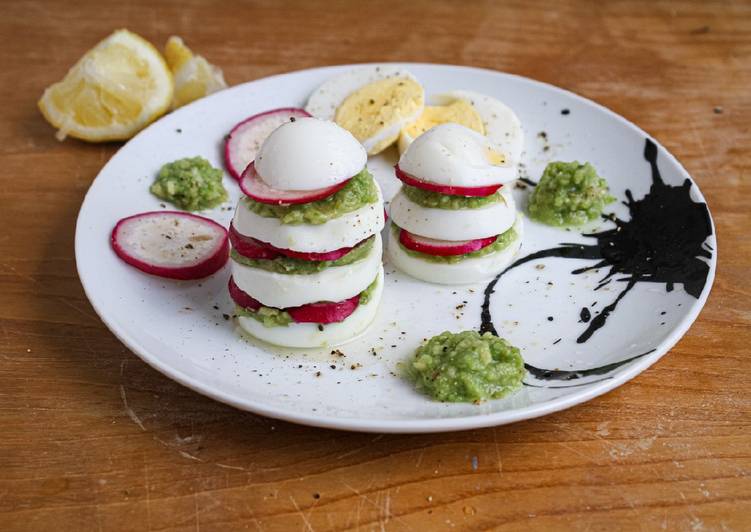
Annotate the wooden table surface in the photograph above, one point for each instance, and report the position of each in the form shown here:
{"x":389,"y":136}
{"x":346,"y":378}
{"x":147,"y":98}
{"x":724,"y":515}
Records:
{"x":93,"y":438}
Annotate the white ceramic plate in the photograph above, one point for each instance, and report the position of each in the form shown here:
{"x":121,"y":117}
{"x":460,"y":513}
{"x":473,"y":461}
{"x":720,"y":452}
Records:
{"x":178,"y":327}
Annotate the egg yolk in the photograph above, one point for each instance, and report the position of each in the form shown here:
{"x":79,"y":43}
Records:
{"x":459,"y":112}
{"x":377,"y":108}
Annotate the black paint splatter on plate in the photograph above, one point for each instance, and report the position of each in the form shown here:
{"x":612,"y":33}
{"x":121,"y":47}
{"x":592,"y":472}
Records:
{"x":662,"y":242}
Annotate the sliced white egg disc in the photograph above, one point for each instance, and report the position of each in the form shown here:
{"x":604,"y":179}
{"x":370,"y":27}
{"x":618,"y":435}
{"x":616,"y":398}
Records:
{"x":336,"y":283}
{"x":344,"y":231}
{"x":463,"y":272}
{"x":308,"y":154}
{"x":449,"y":224}
{"x":455,"y":155}
{"x":311,"y":334}
{"x":502,"y":126}
{"x":374,"y":102}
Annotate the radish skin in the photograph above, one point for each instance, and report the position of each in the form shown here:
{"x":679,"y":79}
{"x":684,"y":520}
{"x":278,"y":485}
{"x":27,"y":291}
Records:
{"x":411,"y":180}
{"x":171,"y":244}
{"x":442,"y":248}
{"x":254,"y":187}
{"x":321,"y":312}
{"x":256,"y":249}
{"x":245,"y":139}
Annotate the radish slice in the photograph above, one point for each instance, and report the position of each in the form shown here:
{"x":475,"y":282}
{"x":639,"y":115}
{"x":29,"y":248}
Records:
{"x":252,"y":185}
{"x":323,"y":312}
{"x":256,"y":249}
{"x":250,"y":247}
{"x":241,"y":298}
{"x":443,"y":248}
{"x":445,"y":189}
{"x":172,"y":244}
{"x":245,"y":139}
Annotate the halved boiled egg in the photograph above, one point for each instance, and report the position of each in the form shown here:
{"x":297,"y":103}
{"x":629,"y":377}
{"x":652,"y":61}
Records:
{"x":373,"y":102}
{"x":497,"y":121}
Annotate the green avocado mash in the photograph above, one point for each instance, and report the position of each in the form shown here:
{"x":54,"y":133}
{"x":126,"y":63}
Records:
{"x":274,"y":317}
{"x":569,"y":194}
{"x":358,"y":192}
{"x":288,"y":265}
{"x":502,"y":241}
{"x":466,"y":366}
{"x":435,"y":200}
{"x":191,"y":183}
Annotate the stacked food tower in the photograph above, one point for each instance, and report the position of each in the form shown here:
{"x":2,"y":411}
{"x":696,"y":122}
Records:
{"x":453,"y":220}
{"x":306,"y":243}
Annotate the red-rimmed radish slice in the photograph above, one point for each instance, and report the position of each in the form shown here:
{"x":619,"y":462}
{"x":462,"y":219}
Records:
{"x":241,"y":298}
{"x":443,"y":248}
{"x":256,"y":249}
{"x":245,"y":139}
{"x":253,"y":186}
{"x":250,"y":247}
{"x":324,"y":312}
{"x":445,"y":189}
{"x":172,"y":244}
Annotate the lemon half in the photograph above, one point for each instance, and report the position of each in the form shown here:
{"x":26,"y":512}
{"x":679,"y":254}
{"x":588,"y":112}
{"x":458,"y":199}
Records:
{"x":194,"y":76}
{"x":112,"y":92}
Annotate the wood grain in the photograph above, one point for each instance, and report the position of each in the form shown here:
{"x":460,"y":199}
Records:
{"x":92,"y":438}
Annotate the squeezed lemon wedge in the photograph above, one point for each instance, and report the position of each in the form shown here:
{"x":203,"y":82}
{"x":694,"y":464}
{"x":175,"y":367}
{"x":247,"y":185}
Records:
{"x":194,"y":76}
{"x":112,"y":92}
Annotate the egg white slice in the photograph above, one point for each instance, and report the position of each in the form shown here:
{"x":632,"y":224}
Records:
{"x":465,"y":272}
{"x":336,"y":283}
{"x":448,"y":224}
{"x":344,"y":231}
{"x":328,"y":97}
{"x":310,"y":335}
{"x":502,"y":126}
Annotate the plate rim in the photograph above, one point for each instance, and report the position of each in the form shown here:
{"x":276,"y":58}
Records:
{"x":386,"y":425}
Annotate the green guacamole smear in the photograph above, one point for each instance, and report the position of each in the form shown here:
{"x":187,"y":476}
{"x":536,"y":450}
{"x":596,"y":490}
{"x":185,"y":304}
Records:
{"x":502,"y":241}
{"x":288,"y":265}
{"x":569,"y":194}
{"x":466,"y":367}
{"x":191,"y":184}
{"x":275,"y":317}
{"x":436,"y":200}
{"x":358,"y":192}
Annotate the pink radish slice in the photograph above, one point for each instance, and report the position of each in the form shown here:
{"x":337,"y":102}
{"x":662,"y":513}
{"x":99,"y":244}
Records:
{"x":250,"y":247}
{"x":445,"y":189}
{"x":172,"y":244}
{"x":256,"y":249}
{"x":443,"y":248}
{"x":323,"y":312}
{"x":241,"y":298}
{"x":245,"y":139}
{"x":252,"y":185}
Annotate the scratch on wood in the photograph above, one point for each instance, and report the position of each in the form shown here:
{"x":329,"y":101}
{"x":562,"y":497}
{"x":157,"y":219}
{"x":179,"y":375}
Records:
{"x":128,"y":410}
{"x":302,"y":515}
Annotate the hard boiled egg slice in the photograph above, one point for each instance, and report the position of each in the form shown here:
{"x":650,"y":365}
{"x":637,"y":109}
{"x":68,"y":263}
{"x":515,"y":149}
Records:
{"x":307,"y":154}
{"x":457,"y":111}
{"x":314,"y":335}
{"x":373,"y":102}
{"x":502,"y":126}
{"x":464,"y":272}
{"x":454,"y":155}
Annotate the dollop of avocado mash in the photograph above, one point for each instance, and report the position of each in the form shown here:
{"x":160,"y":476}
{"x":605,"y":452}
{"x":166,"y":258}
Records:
{"x":358,"y":192}
{"x":436,"y":200}
{"x":569,"y":194}
{"x":274,"y":317}
{"x":191,"y":184}
{"x":466,"y":367}
{"x":289,"y":265}
{"x":502,"y":241}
